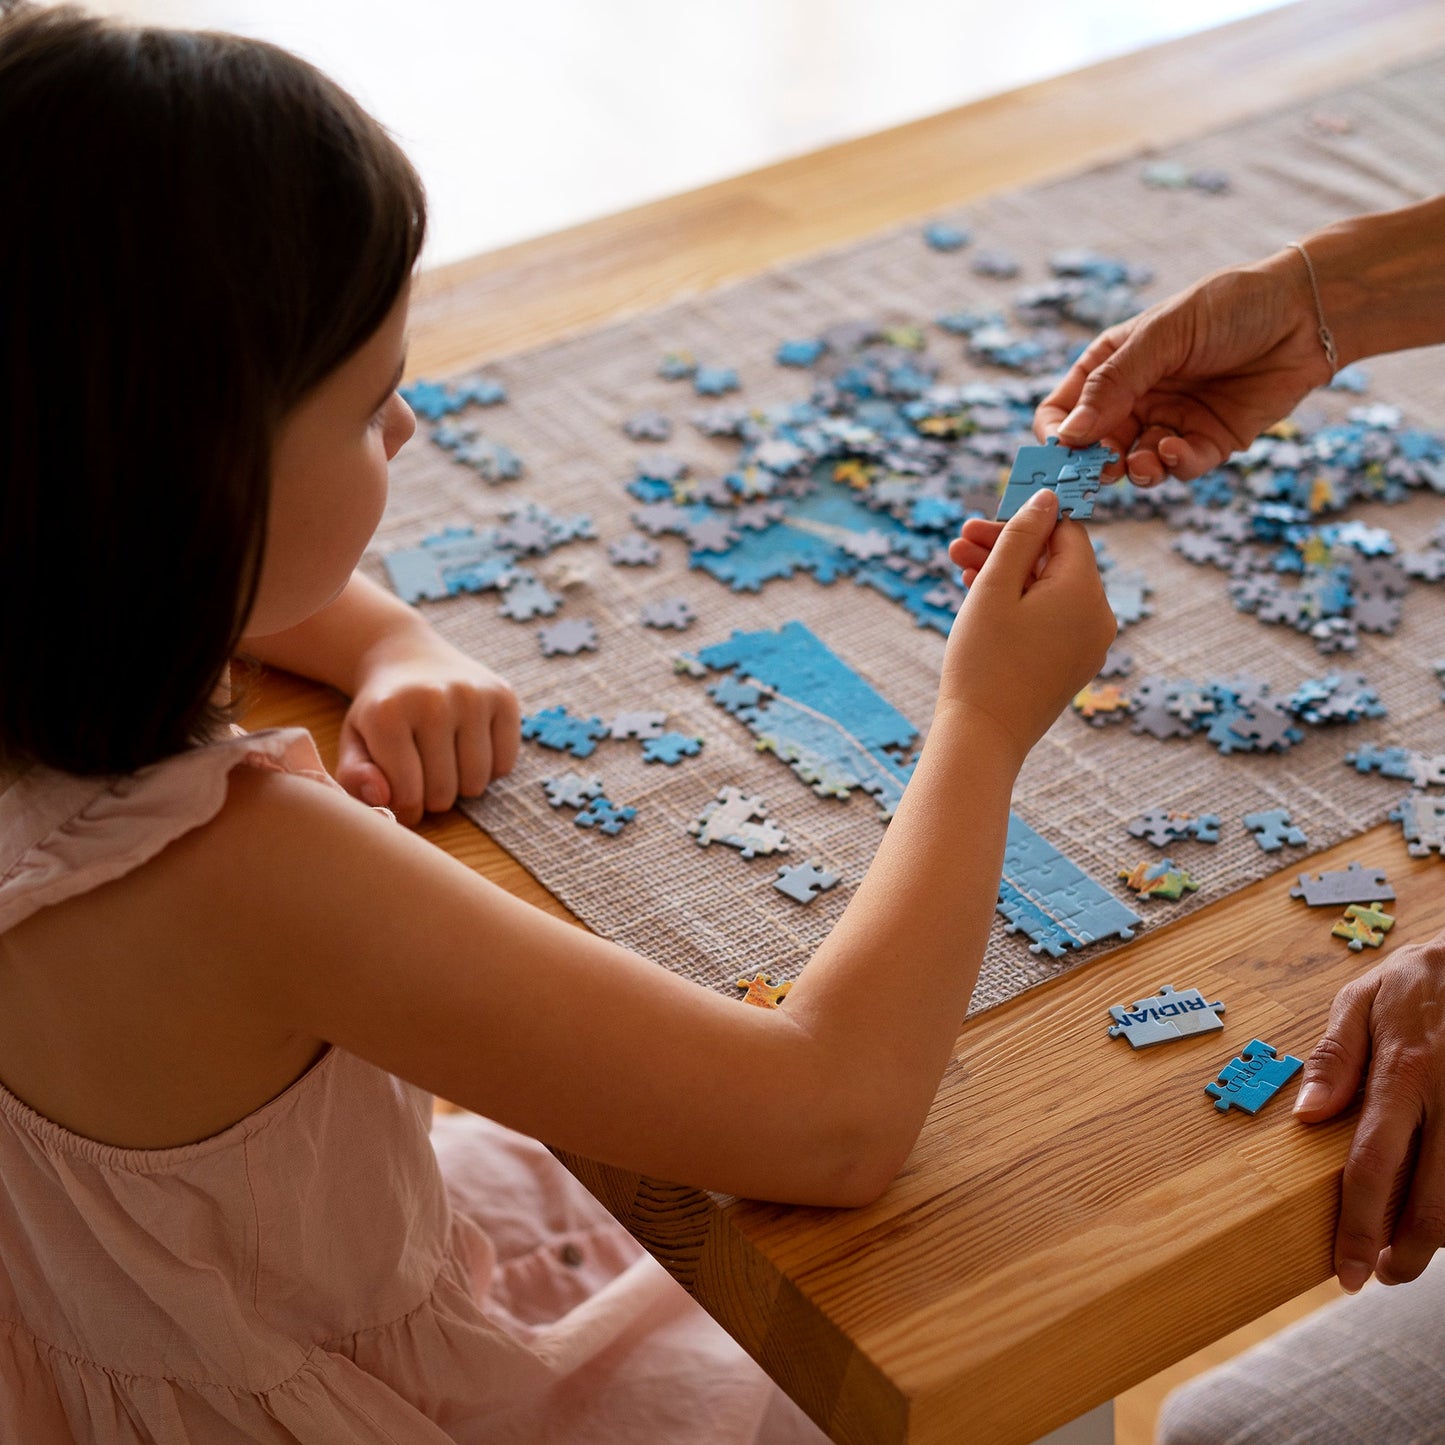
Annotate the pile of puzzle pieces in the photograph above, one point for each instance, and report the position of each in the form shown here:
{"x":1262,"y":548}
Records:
{"x":1235,"y":714}
{"x":1259,"y":519}
{"x":871,"y":473}
{"x":1421,"y":816}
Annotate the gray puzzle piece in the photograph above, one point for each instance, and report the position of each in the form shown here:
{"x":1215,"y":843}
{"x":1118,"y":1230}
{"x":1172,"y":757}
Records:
{"x":804,"y":881}
{"x":1169,"y":1014}
{"x":1355,"y":884}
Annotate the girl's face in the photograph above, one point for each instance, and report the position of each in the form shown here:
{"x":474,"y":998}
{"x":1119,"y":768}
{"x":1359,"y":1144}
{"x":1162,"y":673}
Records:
{"x":328,"y":479}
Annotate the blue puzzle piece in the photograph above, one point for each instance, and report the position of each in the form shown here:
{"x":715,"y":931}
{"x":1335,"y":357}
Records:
{"x":774,"y":553}
{"x":739,"y":698}
{"x":479,"y":391}
{"x":670,"y":748}
{"x":1074,"y":476}
{"x":430,"y":399}
{"x":792,"y":660}
{"x":715,"y":380}
{"x":1168,"y":1015}
{"x":1250,"y":1081}
{"x":1389,"y":762}
{"x":803,"y":882}
{"x":913,"y":595}
{"x":433,"y":400}
{"x":1272,"y":829}
{"x":817,"y":714}
{"x":604,"y":815}
{"x":798,"y":353}
{"x":554,"y":727}
{"x":1024,"y":916}
{"x":940,"y":236}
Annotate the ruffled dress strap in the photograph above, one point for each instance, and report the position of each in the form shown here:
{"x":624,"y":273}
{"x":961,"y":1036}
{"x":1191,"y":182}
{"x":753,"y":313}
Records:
{"x":62,"y":835}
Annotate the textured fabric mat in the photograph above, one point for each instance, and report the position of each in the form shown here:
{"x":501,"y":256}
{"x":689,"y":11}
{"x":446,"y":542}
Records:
{"x":708,"y":913}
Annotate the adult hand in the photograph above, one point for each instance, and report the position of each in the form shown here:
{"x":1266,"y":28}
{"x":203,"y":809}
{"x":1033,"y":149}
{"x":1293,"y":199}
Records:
{"x":1179,"y":387}
{"x":1387,"y":1028}
{"x":426,"y":725}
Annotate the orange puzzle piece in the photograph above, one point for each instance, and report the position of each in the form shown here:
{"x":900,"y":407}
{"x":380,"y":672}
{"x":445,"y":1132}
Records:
{"x":762,"y":991}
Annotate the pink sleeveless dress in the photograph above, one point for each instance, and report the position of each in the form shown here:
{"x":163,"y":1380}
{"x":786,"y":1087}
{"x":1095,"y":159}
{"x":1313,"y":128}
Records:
{"x":323,"y":1271}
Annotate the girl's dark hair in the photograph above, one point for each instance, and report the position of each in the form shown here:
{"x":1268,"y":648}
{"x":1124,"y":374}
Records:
{"x":197,"y":230}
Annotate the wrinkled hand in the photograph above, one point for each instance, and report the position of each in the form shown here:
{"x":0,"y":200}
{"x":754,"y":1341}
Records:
{"x":1178,"y":388}
{"x":1035,"y":625}
{"x":426,"y":725}
{"x":1387,"y":1027}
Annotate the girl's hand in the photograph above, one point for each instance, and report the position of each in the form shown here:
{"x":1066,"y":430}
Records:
{"x":1179,"y":387}
{"x":1035,"y":625}
{"x":426,"y":725}
{"x":1387,"y":1028}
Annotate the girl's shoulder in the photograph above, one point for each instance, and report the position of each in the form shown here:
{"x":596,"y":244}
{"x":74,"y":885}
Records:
{"x":133,"y":940}
{"x":63,"y":835}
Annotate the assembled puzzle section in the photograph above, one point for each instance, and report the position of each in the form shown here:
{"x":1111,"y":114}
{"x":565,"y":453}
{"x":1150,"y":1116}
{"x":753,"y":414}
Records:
{"x":1051,"y":899}
{"x":804,"y":704}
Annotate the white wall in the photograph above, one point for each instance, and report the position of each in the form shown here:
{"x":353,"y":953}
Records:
{"x":527,"y":117}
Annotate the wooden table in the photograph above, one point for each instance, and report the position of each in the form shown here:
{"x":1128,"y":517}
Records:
{"x":1074,"y":1218}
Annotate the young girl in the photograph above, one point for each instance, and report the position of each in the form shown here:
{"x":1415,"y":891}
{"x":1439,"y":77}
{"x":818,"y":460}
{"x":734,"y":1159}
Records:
{"x":227,"y":987}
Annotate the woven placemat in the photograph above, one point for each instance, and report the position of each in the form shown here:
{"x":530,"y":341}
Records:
{"x":710,"y":914}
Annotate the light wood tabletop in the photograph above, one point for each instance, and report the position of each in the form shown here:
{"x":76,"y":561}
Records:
{"x":1074,"y":1217}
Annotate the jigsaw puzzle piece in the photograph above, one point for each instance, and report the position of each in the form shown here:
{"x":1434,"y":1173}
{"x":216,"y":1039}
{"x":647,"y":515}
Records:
{"x":570,"y":636}
{"x":1163,"y":879}
{"x":762,"y":992}
{"x":554,"y":727}
{"x":1075,"y":476}
{"x":638,"y":725}
{"x":572,"y":790}
{"x":1363,"y":926}
{"x":740,"y":820}
{"x":670,"y":748}
{"x":1024,"y":916}
{"x":1169,"y":1014}
{"x":804,"y":881}
{"x":604,"y":815}
{"x":1252,"y":1080}
{"x":1354,"y":884}
{"x":1272,"y":829}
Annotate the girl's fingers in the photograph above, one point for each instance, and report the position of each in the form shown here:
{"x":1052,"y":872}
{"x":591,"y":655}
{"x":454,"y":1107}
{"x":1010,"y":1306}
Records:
{"x":1012,"y":560}
{"x":357,"y":772}
{"x":474,"y":750}
{"x":393,"y":750}
{"x":436,"y":742}
{"x":506,"y":732}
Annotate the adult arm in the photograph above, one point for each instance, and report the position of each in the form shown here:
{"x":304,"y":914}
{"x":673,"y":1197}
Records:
{"x":1179,"y":387}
